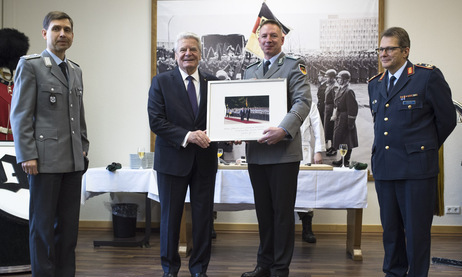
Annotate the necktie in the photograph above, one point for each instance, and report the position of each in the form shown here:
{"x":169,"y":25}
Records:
{"x":392,"y":83}
{"x":192,"y":94}
{"x":266,"y":66}
{"x":63,"y":67}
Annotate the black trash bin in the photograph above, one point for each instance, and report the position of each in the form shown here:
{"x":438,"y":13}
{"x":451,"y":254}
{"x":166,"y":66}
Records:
{"x":124,"y":219}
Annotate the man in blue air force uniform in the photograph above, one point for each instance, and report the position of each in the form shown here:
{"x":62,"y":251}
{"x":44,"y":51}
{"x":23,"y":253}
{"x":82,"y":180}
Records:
{"x":413,"y":115}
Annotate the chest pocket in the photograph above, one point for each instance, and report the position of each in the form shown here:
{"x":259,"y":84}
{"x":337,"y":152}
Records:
{"x":51,"y":96}
{"x":410,"y":108}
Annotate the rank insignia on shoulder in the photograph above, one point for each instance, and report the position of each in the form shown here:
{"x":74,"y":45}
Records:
{"x":372,"y":78}
{"x":252,"y":64}
{"x":426,"y":65}
{"x":31,"y":56}
{"x":302,"y":68}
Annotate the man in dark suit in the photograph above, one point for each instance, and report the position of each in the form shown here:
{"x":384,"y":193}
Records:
{"x":413,"y":115}
{"x":51,"y":143}
{"x":184,"y":155}
{"x":274,"y":160}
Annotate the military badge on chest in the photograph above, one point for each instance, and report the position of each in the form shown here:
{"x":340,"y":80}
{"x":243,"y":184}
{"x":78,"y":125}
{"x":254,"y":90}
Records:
{"x":52,"y":98}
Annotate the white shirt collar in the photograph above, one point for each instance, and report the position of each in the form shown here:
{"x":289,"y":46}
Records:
{"x":398,"y":72}
{"x":184,"y":75}
{"x":55,"y":58}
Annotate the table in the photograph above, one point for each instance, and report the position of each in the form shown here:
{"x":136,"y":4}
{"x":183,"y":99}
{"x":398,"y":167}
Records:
{"x":99,"y":180}
{"x":317,"y":188}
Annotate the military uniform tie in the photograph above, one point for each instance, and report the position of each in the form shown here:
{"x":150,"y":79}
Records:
{"x":63,"y":67}
{"x":392,"y":84}
{"x":192,"y":94}
{"x":266,"y":66}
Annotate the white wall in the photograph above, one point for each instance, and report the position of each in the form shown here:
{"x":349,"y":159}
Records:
{"x":112,"y":45}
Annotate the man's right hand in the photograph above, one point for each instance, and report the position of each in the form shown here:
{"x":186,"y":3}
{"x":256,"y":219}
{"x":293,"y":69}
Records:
{"x":30,"y":167}
{"x":200,"y":138}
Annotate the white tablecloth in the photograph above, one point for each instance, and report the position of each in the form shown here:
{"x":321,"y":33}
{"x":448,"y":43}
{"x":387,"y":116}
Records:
{"x":330,"y":189}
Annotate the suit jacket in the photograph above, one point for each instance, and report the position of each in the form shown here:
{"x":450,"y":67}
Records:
{"x":48,"y":116}
{"x":299,"y":104}
{"x":171,"y":117}
{"x":411,"y":123}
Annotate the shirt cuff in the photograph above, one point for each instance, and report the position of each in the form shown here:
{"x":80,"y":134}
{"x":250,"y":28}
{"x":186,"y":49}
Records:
{"x":185,"y":141}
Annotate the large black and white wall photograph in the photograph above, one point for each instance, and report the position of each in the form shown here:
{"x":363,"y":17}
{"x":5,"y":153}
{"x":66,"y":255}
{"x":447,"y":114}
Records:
{"x":332,"y":37}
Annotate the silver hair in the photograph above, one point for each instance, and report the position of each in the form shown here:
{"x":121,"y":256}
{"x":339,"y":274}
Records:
{"x":186,"y":35}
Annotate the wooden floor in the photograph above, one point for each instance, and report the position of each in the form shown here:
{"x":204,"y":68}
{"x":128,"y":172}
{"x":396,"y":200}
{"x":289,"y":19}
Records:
{"x":234,"y":253}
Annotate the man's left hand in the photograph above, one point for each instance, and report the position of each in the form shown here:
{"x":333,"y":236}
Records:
{"x":272,"y":135}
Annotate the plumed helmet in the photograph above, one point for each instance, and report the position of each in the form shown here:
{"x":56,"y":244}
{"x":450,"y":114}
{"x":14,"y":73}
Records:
{"x":344,"y":75}
{"x":331,"y":73}
{"x":13,"y":45}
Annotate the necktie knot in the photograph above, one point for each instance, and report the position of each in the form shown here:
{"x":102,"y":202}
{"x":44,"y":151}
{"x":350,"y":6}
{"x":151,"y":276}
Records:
{"x":266,"y":66}
{"x":63,"y":67}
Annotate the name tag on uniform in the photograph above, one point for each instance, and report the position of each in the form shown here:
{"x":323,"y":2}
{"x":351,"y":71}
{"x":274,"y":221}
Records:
{"x":409,"y":102}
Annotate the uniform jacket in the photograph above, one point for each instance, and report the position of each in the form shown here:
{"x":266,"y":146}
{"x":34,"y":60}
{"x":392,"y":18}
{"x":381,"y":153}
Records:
{"x":48,"y":116}
{"x":5,"y":107}
{"x":299,"y":104}
{"x":171,"y":117}
{"x":411,"y":123}
{"x":346,"y":110}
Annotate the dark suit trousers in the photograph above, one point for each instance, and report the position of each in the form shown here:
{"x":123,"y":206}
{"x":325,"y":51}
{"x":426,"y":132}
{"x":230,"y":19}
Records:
{"x":406,"y":212}
{"x":54,"y":222}
{"x":172,"y":193}
{"x":275,"y":190}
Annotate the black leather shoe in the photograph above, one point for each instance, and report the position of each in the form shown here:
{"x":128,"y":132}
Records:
{"x":331,"y":152}
{"x":170,"y":275}
{"x":199,"y":275}
{"x":257,"y":272}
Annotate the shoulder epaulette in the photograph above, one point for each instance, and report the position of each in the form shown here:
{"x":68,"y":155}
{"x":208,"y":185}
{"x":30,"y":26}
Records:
{"x":31,"y":56}
{"x":375,"y":76}
{"x":292,"y":58}
{"x":252,"y":64}
{"x":74,"y":63}
{"x":425,"y":65}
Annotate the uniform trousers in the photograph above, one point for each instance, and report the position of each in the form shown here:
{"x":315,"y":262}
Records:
{"x":172,"y":193}
{"x":275,"y":190}
{"x":54,"y":210}
{"x":406,"y":212}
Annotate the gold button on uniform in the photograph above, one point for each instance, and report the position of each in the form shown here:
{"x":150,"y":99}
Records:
{"x":409,"y":107}
{"x":386,"y":119}
{"x":387,"y":147}
{"x":422,"y":147}
{"x":387,"y":105}
{"x":385,"y":133}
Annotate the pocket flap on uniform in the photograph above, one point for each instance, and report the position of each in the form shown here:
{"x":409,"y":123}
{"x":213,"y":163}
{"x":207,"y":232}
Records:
{"x":420,"y":146}
{"x":50,"y":88}
{"x":44,"y":134}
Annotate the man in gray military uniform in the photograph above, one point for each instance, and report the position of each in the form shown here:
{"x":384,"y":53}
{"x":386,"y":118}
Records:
{"x":274,"y":160}
{"x":51,"y":144}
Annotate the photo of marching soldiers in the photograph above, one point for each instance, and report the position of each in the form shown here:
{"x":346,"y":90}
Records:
{"x":338,"y":72}
{"x":247,"y":110}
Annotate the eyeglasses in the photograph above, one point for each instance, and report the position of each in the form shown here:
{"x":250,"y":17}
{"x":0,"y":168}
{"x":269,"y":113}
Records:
{"x":389,"y":50}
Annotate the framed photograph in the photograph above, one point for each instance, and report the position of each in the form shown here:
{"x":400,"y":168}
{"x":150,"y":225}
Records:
{"x":241,"y":110}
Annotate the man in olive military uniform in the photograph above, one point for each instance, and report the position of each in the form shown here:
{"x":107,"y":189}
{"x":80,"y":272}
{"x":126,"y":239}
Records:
{"x":413,"y":115}
{"x":274,"y":160}
{"x":51,"y":143}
